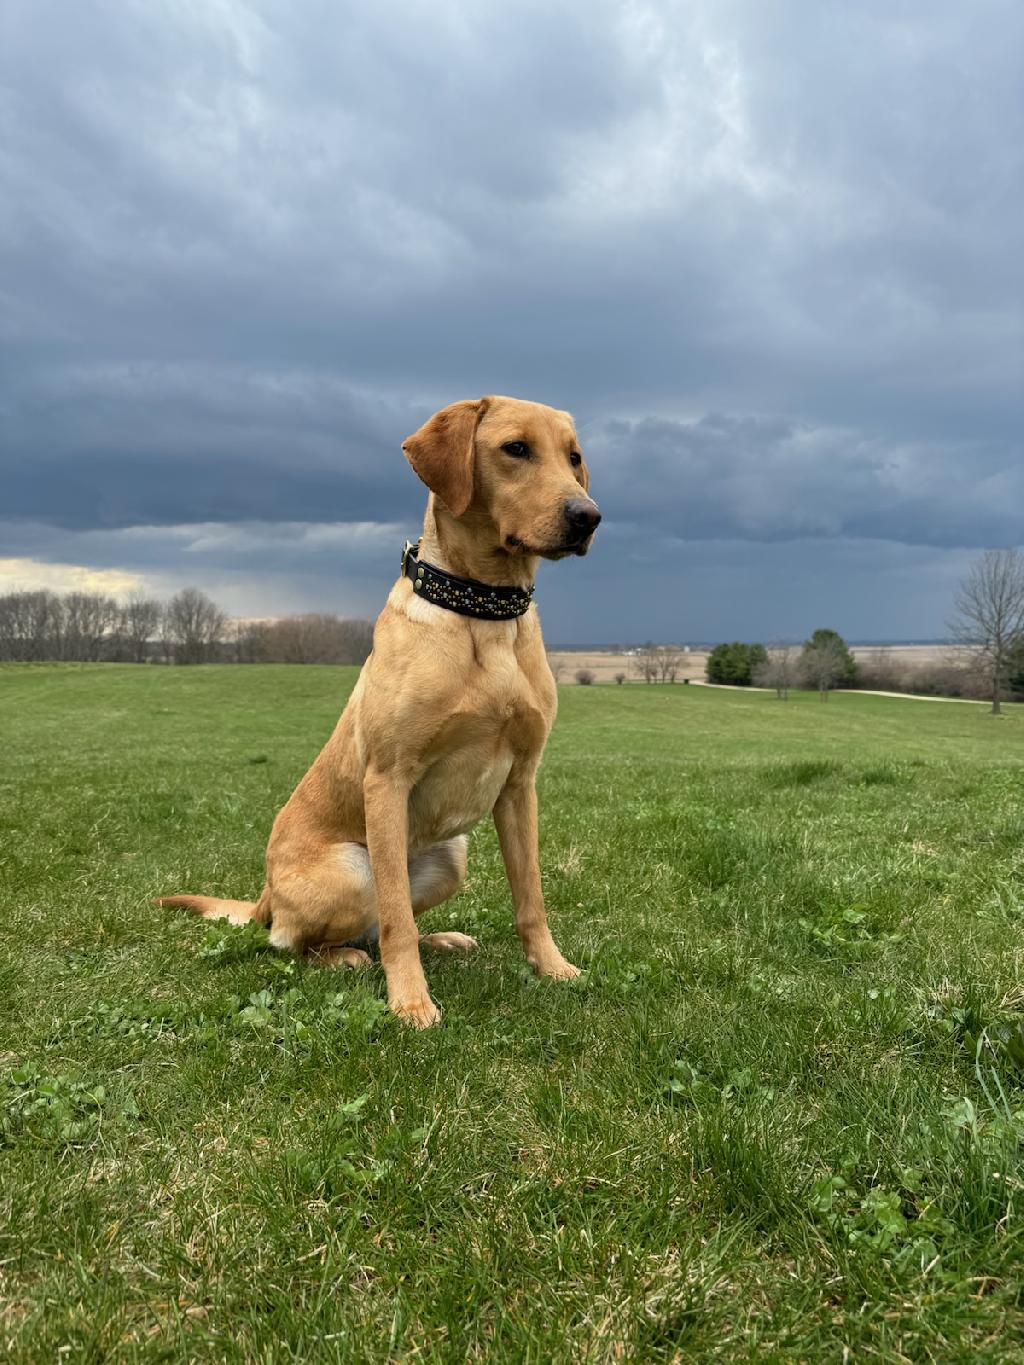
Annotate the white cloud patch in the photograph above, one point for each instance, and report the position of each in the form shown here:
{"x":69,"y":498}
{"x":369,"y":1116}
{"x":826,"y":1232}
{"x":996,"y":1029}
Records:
{"x":31,"y":575}
{"x":252,"y":569}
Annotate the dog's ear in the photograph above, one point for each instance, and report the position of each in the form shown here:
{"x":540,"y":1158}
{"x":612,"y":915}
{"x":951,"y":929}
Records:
{"x":442,"y":452}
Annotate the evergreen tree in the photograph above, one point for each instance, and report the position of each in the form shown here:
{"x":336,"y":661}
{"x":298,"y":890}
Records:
{"x":734,"y":664}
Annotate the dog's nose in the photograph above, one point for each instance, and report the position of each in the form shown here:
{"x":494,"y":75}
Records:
{"x":582,"y":516}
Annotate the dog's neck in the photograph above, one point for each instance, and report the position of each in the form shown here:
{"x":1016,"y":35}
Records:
{"x":459,"y":545}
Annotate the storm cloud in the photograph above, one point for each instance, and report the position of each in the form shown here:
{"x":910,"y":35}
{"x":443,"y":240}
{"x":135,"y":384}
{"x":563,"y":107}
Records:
{"x":768,"y":255}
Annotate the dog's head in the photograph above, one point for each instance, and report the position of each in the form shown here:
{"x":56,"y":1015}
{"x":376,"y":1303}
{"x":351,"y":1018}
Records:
{"x":513,"y":464}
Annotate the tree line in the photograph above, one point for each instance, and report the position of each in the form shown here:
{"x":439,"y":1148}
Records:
{"x":188,"y":628}
{"x":987,"y":631}
{"x":823,"y":663}
{"x":986,"y":661}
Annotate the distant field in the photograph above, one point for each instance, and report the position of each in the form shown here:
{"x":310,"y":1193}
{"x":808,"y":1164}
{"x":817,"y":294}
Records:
{"x":780,"y":1117}
{"x":604,"y":664}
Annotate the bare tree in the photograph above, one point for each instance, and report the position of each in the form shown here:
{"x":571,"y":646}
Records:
{"x":646,"y":662}
{"x":989,"y":616}
{"x":669,"y":658}
{"x":31,"y":626}
{"x":8,"y":627}
{"x":90,"y":619}
{"x":248,"y":641}
{"x":557,"y":665}
{"x":301,"y":639}
{"x":355,"y":641}
{"x":309,"y":639}
{"x":42,"y":625}
{"x":823,"y":665}
{"x":140,"y":622}
{"x":779,"y":670}
{"x":193,"y":625}
{"x":189,"y":629}
{"x":165,"y":647}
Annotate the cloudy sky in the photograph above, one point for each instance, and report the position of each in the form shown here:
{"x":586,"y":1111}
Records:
{"x":768,"y":253}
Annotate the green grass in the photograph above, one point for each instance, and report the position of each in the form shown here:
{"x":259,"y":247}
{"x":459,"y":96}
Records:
{"x":780,"y":1116}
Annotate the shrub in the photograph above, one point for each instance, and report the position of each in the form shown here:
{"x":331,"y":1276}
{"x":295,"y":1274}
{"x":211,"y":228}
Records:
{"x":882,"y":672}
{"x":584,"y":677}
{"x":934,"y":678}
{"x":735,"y":663}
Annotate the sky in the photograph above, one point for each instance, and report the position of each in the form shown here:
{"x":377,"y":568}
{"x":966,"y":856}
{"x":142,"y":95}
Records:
{"x":767,"y":252}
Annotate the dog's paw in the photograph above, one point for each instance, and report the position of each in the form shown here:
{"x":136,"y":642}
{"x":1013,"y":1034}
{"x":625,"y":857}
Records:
{"x":562,"y":971}
{"x":420,"y":1012}
{"x":333,"y":956}
{"x":449,"y":942}
{"x":555,"y":966}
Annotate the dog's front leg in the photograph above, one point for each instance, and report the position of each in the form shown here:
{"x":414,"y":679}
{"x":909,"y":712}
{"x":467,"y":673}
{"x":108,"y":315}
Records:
{"x":387,"y":841}
{"x":515,"y":816}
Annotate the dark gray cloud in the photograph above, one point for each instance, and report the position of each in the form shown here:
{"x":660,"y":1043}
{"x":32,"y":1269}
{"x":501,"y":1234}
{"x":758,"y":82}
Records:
{"x":769,"y":255}
{"x":772,"y":478}
{"x":157,"y":444}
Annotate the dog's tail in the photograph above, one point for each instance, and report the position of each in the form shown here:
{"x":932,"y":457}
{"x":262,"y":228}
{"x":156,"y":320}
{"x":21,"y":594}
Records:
{"x":211,"y":907}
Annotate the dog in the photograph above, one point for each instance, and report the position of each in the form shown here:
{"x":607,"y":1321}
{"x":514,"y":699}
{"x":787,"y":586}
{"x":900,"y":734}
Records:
{"x":448,"y":719}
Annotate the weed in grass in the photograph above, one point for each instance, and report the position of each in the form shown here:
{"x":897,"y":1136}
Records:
{"x":236,"y":944}
{"x":989,"y":1035}
{"x":618,"y":977}
{"x":882,"y":1222}
{"x":53,"y":1111}
{"x":134,"y":1023}
{"x":688,"y":1083}
{"x":346,"y":1159}
{"x":848,"y":929}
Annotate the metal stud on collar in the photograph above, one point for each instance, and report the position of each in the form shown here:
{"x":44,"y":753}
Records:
{"x":466,"y":596}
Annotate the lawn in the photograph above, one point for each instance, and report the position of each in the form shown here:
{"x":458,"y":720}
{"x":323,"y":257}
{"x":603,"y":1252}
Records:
{"x":780,"y":1116}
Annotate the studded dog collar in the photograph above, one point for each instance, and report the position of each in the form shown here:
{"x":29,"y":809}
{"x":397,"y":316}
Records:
{"x":467,"y":596}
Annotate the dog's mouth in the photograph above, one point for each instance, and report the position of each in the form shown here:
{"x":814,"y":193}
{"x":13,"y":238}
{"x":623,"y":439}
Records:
{"x":576,"y":546}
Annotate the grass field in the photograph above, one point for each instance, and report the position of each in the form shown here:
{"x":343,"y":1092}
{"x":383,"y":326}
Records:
{"x":779,"y":1117}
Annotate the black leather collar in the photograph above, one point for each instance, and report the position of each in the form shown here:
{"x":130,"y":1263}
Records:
{"x":467,"y":596}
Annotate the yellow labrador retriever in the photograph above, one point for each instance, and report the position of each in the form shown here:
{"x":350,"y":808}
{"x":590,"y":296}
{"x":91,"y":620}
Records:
{"x":448,"y":719}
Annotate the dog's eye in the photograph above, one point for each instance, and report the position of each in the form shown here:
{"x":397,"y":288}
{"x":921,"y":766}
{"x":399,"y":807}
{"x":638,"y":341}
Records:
{"x":519,"y":450}
{"x":575,"y":458}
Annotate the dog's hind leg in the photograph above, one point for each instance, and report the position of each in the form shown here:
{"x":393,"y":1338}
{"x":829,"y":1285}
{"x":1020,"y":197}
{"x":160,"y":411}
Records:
{"x":437,"y":872}
{"x":327,"y":907}
{"x":434,"y":875}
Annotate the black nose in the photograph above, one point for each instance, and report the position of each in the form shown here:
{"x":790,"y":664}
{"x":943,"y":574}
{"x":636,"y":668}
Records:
{"x":582,"y":516}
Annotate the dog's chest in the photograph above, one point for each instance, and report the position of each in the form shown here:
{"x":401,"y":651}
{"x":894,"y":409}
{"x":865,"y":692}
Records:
{"x":456,"y":793}
{"x":501,"y":718}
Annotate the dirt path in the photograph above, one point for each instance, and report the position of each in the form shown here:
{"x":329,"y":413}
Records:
{"x":857,"y":691}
